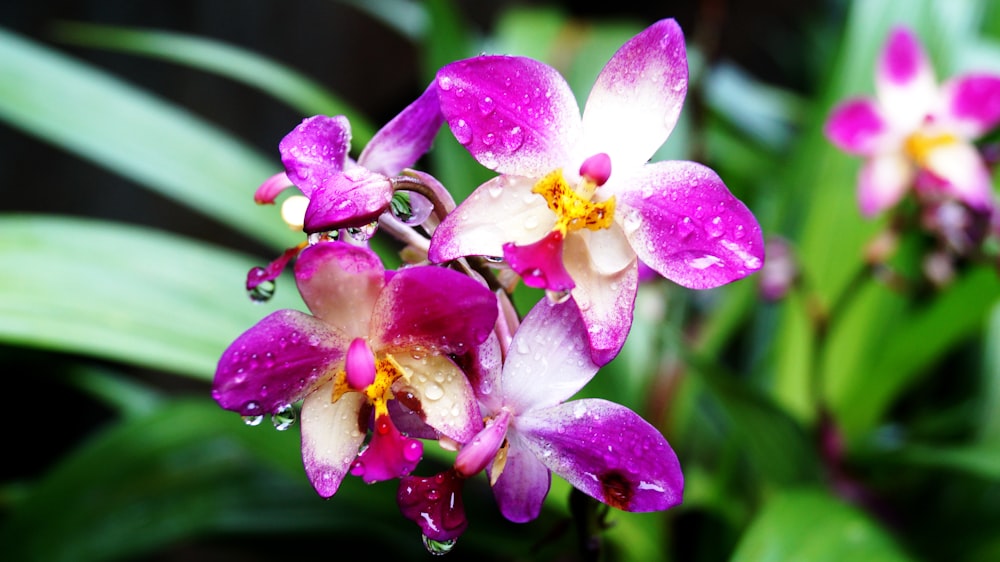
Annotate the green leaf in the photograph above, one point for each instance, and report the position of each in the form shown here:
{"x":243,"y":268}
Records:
{"x":809,"y":524}
{"x":981,"y":458}
{"x":125,"y":293}
{"x":252,"y":69}
{"x":139,"y":136}
{"x":190,"y":469}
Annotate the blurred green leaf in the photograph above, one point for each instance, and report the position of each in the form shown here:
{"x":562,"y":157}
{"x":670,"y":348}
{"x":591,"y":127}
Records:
{"x":274,"y":78}
{"x":980,"y":459}
{"x":130,"y":132}
{"x":990,"y":397}
{"x":902,"y":345}
{"x":808,"y":524}
{"x":188,"y":470}
{"x":125,"y":293}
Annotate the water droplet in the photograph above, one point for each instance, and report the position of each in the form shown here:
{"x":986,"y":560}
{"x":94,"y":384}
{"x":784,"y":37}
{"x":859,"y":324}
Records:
{"x":489,"y":139}
{"x":514,"y":138}
{"x":444,"y":83}
{"x":462,"y":131}
{"x":557,"y":297}
{"x":263,"y":290}
{"x":252,"y":420}
{"x":283,"y":418}
{"x":685,"y":227}
{"x":740,"y":232}
{"x":433,"y":391}
{"x":714,"y":227}
{"x":439,"y":548}
{"x":486,"y":105}
{"x":460,"y":93}
{"x":363,"y":233}
{"x":680,"y":84}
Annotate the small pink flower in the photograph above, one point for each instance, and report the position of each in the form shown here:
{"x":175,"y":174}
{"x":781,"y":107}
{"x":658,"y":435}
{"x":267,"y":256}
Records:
{"x":915,"y":133}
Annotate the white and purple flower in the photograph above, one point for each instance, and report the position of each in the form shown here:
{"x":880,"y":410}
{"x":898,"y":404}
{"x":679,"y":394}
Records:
{"x":576,"y":205}
{"x":375,"y":340}
{"x":916,"y":134}
{"x":603,"y":449}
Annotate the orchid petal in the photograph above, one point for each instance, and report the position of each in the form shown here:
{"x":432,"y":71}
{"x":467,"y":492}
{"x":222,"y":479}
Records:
{"x":340,"y":283}
{"x":514,"y":115}
{"x":972,"y":104}
{"x":964,"y":173}
{"x":353,"y":198}
{"x":503,"y":209}
{"x":447,"y":401}
{"x":904,"y":80}
{"x":389,"y":453}
{"x":523,"y":484}
{"x":606,"y":451}
{"x":315,"y":150}
{"x":855,"y":126}
{"x":330,"y":437}
{"x":276,"y":362}
{"x":271,"y":188}
{"x":609,"y":250}
{"x":549,"y":357}
{"x":540,"y":264}
{"x":637,"y":97}
{"x":684,"y":223}
{"x":435,"y":504}
{"x":407,"y":137}
{"x":606,"y":302}
{"x":882,"y":182}
{"x":435,"y":308}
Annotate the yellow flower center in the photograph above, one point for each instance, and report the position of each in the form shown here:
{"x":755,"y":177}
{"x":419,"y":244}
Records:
{"x":919,"y":145}
{"x":379,"y":392}
{"x":574,"y":209}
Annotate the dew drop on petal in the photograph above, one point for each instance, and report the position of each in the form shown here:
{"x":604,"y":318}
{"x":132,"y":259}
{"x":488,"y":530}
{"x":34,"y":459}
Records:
{"x":685,"y":227}
{"x":557,"y":297}
{"x":363,"y":233}
{"x":283,"y":418}
{"x":433,"y":391}
{"x":714,"y":227}
{"x":514,"y":138}
{"x":462,"y":131}
{"x":439,"y":548}
{"x":486,"y":105}
{"x":489,"y":139}
{"x":444,"y":83}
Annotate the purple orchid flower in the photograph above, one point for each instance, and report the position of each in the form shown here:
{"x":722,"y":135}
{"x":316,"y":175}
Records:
{"x":374,"y":338}
{"x":603,"y":449}
{"x":343,"y":193}
{"x":576,"y":205}
{"x":340,"y":192}
{"x":916,"y":133}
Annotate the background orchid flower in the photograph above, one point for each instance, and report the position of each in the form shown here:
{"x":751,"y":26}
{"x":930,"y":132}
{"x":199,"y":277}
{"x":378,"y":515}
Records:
{"x":914,"y":131}
{"x":603,"y":449}
{"x":373,"y":335}
{"x":576,"y":204}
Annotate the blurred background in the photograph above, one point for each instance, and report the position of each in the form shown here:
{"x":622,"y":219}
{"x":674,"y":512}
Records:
{"x":846,"y":418}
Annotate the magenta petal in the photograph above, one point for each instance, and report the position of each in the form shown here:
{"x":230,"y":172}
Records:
{"x":435,"y":504}
{"x":903,"y":58}
{"x":514,"y":115}
{"x":521,"y":488}
{"x":690,"y":228}
{"x":540,"y":265}
{"x":855,"y":126}
{"x":402,"y":141}
{"x":271,"y":188}
{"x":315,"y":150}
{"x":436,"y":308}
{"x":340,"y":283}
{"x":975,"y":102}
{"x":353,"y":198}
{"x":275,"y":363}
{"x":389,"y":454}
{"x":606,"y":451}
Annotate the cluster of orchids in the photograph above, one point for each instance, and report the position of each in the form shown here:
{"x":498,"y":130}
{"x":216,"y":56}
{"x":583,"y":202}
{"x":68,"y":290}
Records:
{"x":386,"y":361}
{"x":929,"y":141}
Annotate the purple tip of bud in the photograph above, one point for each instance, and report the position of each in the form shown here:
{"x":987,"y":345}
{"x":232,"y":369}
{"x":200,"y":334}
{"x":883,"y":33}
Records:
{"x":597,"y":168}
{"x":478,"y":453}
{"x":272,"y":186}
{"x":259,"y":275}
{"x":435,"y":504}
{"x":360,"y":365}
